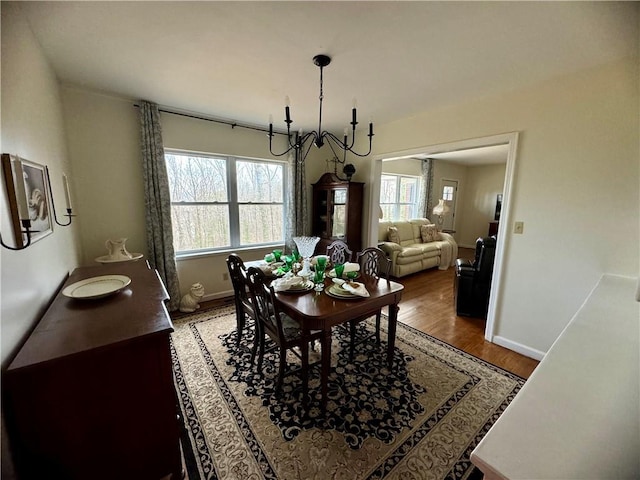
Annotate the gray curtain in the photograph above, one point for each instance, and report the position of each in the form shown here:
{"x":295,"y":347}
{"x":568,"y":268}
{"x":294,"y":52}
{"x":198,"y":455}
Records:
{"x":425,"y":204}
{"x":298,"y":213}
{"x":157,"y":202}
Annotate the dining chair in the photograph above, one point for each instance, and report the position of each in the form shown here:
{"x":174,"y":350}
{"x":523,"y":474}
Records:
{"x":286,"y":332}
{"x":339,"y":252}
{"x":373,"y":263}
{"x":244,"y":306}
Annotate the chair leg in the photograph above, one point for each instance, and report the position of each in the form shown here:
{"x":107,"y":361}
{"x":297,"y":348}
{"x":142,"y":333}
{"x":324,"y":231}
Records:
{"x":378,"y":315}
{"x":261,"y":353}
{"x":304,"y":351}
{"x":240,"y":318}
{"x":283,"y":363}
{"x":352,"y":343}
{"x":258,"y":340}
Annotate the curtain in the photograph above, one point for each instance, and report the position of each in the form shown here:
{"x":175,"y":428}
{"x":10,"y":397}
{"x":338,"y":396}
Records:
{"x":425,"y":204}
{"x":157,"y":202}
{"x":298,"y":213}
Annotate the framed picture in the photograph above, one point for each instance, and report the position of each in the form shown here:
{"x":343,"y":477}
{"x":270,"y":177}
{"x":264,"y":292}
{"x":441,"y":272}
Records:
{"x":31,"y":197}
{"x":496,"y":217}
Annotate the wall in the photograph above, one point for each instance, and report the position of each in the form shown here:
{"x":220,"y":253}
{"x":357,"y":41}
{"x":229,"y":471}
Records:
{"x":575,"y":188}
{"x":33,"y":128}
{"x":104,"y":143}
{"x":477,"y":209}
{"x":578,"y":143}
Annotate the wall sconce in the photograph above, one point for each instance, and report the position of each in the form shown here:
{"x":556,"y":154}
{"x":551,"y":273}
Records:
{"x":27,"y":185}
{"x":67,"y":197}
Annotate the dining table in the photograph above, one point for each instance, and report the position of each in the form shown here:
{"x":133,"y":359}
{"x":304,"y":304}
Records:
{"x":318,"y":310}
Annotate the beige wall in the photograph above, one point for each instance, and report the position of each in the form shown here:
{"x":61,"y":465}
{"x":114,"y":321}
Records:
{"x":33,"y":128}
{"x":477,"y":208}
{"x":579,"y":142}
{"x":575,"y":188}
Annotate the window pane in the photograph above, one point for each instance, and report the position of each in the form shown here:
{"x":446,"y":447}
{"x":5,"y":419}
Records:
{"x":387,"y":212}
{"x":447,"y":193}
{"x":197,"y":227}
{"x":196,"y":179}
{"x":339,"y":216}
{"x":388,"y":189}
{"x":406,"y":212}
{"x":259,"y":182}
{"x":261,"y":224}
{"x":408,"y":187}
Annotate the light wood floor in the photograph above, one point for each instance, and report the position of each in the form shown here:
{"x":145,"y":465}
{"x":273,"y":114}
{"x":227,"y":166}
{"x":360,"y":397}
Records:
{"x":427,"y":305}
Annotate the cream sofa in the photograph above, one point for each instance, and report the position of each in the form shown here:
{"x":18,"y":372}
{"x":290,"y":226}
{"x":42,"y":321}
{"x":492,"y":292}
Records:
{"x":411,"y":254}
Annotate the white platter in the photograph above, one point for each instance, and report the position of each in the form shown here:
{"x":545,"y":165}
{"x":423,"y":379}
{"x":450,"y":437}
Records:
{"x":96,"y":287}
{"x":107,"y":259}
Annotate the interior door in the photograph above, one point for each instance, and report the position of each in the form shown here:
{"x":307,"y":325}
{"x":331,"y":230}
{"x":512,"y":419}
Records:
{"x":449,"y":193}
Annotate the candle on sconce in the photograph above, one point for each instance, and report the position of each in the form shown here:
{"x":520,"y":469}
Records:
{"x":21,"y":194}
{"x":67,"y":196}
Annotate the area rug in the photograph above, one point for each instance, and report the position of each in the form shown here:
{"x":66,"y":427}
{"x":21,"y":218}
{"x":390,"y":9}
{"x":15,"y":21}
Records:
{"x":419,"y":420}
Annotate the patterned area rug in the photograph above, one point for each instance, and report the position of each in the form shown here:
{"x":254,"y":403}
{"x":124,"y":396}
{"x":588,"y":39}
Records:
{"x":421,"y":420}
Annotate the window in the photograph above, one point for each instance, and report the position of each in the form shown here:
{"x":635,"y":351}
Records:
{"x":447,"y":193}
{"x":399,"y":196}
{"x":221,"y":202}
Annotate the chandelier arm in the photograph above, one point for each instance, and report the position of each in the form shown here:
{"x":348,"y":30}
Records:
{"x":291,"y":147}
{"x":335,"y":155}
{"x":346,"y":148}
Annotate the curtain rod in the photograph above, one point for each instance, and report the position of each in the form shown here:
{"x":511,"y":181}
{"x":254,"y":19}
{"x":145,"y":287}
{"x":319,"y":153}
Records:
{"x":208,"y":119}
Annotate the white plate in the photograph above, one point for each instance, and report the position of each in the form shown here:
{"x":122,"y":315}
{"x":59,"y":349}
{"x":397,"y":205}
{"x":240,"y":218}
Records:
{"x":96,"y":287}
{"x":107,"y":259}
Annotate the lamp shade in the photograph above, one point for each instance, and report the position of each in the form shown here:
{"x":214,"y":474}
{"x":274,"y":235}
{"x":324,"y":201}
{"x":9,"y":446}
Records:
{"x":441,"y":209}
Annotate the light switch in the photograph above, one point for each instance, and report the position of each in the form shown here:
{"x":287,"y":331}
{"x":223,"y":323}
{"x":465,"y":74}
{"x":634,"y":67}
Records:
{"x":518,"y":227}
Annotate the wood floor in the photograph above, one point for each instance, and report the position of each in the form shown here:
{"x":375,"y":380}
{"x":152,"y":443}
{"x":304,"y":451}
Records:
{"x":427,"y":305}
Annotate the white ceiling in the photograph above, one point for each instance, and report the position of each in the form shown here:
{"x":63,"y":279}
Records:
{"x":238,"y":60}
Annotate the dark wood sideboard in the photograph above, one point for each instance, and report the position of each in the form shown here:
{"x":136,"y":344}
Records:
{"x":90,"y":394}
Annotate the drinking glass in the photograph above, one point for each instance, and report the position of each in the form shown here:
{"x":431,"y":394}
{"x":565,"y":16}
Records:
{"x":277,"y":254}
{"x":321,"y":263}
{"x":318,"y":279}
{"x":339,"y":268}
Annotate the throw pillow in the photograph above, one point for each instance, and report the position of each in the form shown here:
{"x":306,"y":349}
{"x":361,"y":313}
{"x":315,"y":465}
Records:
{"x":429,"y":233}
{"x":393,"y":235}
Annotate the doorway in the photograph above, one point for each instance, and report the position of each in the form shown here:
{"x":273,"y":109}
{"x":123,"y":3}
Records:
{"x":508,"y":139}
{"x":449,"y":193}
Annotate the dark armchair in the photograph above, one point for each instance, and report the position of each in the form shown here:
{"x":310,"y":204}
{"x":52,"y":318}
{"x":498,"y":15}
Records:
{"x":473,"y":280}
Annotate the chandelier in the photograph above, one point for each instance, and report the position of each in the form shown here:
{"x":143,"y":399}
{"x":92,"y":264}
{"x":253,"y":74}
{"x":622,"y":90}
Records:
{"x":302,"y":142}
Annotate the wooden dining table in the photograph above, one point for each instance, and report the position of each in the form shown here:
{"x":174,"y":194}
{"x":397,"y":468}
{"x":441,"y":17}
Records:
{"x":319,"y":311}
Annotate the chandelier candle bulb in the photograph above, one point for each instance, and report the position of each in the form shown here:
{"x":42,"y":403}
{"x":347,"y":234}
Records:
{"x":67,"y":196}
{"x":21,"y":194}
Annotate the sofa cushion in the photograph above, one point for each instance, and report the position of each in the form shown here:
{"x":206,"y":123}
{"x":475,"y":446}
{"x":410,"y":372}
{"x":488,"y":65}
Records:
{"x":393,"y":235}
{"x":429,"y":233}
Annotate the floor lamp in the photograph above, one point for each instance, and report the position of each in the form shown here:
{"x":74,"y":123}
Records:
{"x":440,"y":211}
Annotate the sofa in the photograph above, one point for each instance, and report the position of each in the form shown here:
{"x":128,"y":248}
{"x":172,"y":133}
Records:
{"x":416,"y":245}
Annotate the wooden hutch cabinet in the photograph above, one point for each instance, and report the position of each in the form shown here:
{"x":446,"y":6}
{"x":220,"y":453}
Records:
{"x":337,"y":212}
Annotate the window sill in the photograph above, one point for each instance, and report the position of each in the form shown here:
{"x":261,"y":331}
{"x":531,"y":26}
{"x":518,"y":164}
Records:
{"x":216,"y":253}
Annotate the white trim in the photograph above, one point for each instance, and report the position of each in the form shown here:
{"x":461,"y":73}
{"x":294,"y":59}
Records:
{"x":519,"y":348}
{"x":505,"y":215}
{"x":216,"y":296}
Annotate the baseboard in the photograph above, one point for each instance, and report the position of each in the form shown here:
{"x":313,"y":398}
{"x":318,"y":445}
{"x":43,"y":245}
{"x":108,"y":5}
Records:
{"x":218,"y":295}
{"x":519,"y":348}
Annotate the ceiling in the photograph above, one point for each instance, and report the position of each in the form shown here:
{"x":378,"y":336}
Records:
{"x":238,"y":60}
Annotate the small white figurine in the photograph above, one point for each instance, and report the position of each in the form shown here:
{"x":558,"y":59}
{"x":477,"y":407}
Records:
{"x":189,"y":302}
